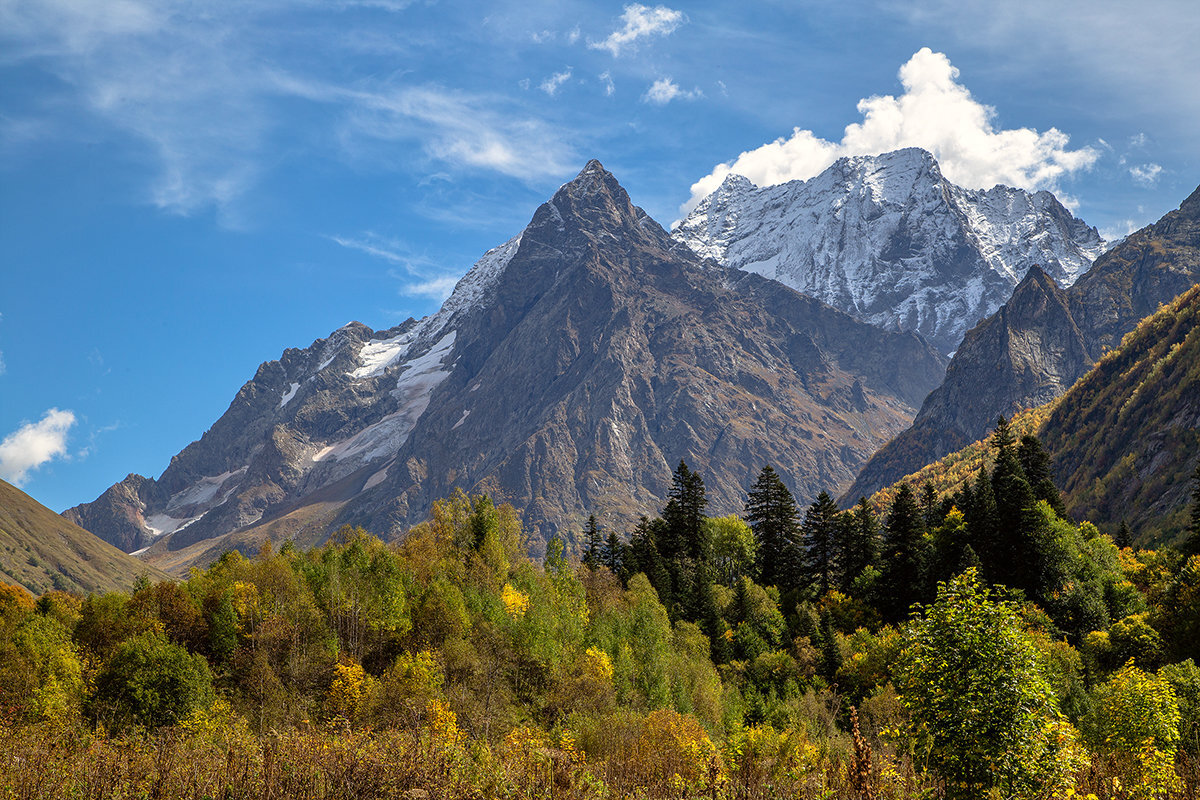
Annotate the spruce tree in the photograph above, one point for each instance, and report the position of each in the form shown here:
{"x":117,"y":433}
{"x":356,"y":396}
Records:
{"x":859,"y":543}
{"x":1014,"y":550}
{"x":1035,"y":463}
{"x":904,"y":557}
{"x":820,"y":533}
{"x":593,"y":542}
{"x":930,"y":506}
{"x":684,"y":533}
{"x":613,"y":553}
{"x":1191,"y":545}
{"x":1124,"y":537}
{"x":772,"y":515}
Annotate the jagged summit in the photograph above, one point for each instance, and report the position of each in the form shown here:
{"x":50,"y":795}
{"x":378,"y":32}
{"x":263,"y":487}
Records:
{"x":569,"y":372}
{"x":1043,"y":339}
{"x":889,"y":240}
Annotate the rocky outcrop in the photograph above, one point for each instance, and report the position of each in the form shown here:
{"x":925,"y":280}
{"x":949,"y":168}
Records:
{"x":1043,"y":340}
{"x":889,"y":240}
{"x":569,"y":372}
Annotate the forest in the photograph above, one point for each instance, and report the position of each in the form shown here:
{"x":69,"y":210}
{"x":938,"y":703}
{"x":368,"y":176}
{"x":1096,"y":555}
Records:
{"x":965,"y":645}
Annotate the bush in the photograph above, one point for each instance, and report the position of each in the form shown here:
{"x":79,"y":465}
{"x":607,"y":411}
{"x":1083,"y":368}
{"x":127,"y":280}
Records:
{"x":151,"y":682}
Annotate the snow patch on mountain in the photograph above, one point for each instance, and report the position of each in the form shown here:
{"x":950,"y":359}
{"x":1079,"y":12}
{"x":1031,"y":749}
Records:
{"x":888,"y":239}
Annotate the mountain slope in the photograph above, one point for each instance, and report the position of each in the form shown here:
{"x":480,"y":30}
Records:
{"x":1042,"y":341}
{"x":42,"y":551}
{"x":889,"y":240}
{"x":1124,"y":441}
{"x":569,"y":372}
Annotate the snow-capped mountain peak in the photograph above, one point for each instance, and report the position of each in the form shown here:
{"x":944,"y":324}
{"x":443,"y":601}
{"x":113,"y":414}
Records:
{"x":888,"y":239}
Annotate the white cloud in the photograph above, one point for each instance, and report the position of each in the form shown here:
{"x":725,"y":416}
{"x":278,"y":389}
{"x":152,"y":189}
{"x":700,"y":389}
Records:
{"x":1146,"y":174}
{"x":34,"y":444}
{"x":437,"y":288}
{"x":609,"y":87}
{"x":1138,"y":140}
{"x":573,"y":35}
{"x":3,"y":366}
{"x":640,"y":22}
{"x":935,"y":112}
{"x":198,"y":88}
{"x":664,"y":90}
{"x":550,"y":85}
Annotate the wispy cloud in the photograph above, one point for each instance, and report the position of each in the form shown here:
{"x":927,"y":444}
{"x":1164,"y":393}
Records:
{"x":935,"y":112}
{"x":551,"y":85}
{"x":606,"y":80}
{"x":1146,"y":174}
{"x":209,"y":93}
{"x":640,"y":22}
{"x":418,"y":274}
{"x":34,"y":444}
{"x":664,"y":90}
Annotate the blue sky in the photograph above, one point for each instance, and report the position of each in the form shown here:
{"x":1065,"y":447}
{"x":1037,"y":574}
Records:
{"x":189,"y":188}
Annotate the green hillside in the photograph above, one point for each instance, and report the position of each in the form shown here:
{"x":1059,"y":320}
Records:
{"x":40,"y":551}
{"x":1124,"y":440}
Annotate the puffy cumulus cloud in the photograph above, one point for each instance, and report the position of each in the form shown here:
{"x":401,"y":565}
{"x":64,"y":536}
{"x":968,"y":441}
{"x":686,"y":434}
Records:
{"x":935,"y":112}
{"x":33,"y":444}
{"x":551,"y":85}
{"x":640,"y":22}
{"x":1146,"y":174}
{"x":664,"y":90}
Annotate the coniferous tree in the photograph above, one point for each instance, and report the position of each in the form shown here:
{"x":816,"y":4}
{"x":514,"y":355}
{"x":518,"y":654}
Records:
{"x":1191,"y":545}
{"x":593,"y":542}
{"x":1035,"y":462}
{"x":684,"y":533}
{"x":930,"y":506}
{"x":1015,"y":549}
{"x":644,"y":557}
{"x":772,"y":515}
{"x":613,"y":554}
{"x":904,"y":557}
{"x":1124,"y":537}
{"x":981,"y":521}
{"x":859,"y":544}
{"x":820,"y":532}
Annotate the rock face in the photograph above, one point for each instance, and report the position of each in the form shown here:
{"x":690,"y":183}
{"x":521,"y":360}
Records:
{"x":569,"y":372}
{"x":889,"y":240}
{"x":1043,"y":340}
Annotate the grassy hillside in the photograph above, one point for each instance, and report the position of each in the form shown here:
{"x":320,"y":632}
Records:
{"x":1124,"y":440}
{"x":40,"y":551}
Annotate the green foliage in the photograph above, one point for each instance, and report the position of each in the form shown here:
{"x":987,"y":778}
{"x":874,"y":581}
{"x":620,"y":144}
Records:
{"x":1136,"y":719}
{"x":975,"y":686}
{"x":772,"y":514}
{"x":152,"y":682}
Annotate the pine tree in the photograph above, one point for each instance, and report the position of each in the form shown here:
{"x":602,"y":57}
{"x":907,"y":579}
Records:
{"x":593,"y":541}
{"x":903,"y":579}
{"x":684,"y":533}
{"x":820,"y":541}
{"x":1191,"y":545}
{"x":859,"y":544}
{"x":1035,"y":463}
{"x":831,"y":654}
{"x":1014,"y":551}
{"x":1124,"y":537}
{"x":772,"y":515}
{"x":613,"y":553}
{"x":930,"y":506}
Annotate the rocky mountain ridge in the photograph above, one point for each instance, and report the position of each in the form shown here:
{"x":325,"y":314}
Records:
{"x":1043,"y":340}
{"x":568,"y":373}
{"x":890,"y":241}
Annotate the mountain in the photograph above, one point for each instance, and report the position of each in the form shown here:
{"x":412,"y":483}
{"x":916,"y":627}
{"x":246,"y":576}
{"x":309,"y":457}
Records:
{"x":1042,"y":341}
{"x":568,"y":373}
{"x":889,"y":240}
{"x":1124,"y":441}
{"x":42,"y":551}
